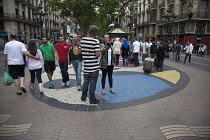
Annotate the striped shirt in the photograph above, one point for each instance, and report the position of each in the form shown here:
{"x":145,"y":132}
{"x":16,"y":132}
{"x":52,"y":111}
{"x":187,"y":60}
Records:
{"x":88,"y":47}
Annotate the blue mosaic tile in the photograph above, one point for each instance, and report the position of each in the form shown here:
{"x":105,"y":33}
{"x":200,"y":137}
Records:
{"x":129,"y":87}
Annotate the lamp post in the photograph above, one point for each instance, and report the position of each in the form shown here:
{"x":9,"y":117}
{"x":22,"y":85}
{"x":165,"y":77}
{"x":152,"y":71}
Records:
{"x":168,"y":20}
{"x":40,"y":16}
{"x":190,"y":14}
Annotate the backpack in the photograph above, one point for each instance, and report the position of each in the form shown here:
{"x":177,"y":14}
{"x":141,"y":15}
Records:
{"x":153,"y":49}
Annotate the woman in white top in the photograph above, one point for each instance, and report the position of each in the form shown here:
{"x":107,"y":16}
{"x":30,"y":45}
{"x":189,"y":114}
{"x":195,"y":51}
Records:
{"x":107,"y":64}
{"x":35,"y":66}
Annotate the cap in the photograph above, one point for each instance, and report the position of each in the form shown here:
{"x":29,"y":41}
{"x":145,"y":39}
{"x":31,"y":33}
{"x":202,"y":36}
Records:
{"x":93,"y":28}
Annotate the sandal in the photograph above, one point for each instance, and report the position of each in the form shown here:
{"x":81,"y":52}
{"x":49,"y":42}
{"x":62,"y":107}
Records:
{"x":112,"y":91}
{"x":103,"y":92}
{"x":32,"y":88}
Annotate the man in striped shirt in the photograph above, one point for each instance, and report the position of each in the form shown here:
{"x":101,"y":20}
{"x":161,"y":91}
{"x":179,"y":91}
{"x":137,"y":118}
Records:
{"x":90,"y":52}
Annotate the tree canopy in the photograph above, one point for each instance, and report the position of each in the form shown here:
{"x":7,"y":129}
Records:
{"x":88,"y":12}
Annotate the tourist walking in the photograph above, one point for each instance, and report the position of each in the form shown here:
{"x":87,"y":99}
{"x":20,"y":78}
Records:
{"x":178,"y":51}
{"x":75,"y":57}
{"x":189,"y":49}
{"x":125,"y":52}
{"x":136,"y":50}
{"x":35,"y":66}
{"x":48,"y":53}
{"x":13,"y":59}
{"x":117,"y":50}
{"x":200,"y":51}
{"x":145,"y":51}
{"x":107,"y":64}
{"x":62,"y":53}
{"x":153,"y":49}
{"x":90,"y":52}
{"x":161,"y":54}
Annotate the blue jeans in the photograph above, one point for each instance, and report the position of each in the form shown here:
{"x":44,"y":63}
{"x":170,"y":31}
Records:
{"x":160,"y":64}
{"x":90,"y":79}
{"x":64,"y":70}
{"x":77,"y":69}
{"x":125,"y":59}
{"x":136,"y":58}
{"x":144,"y":55}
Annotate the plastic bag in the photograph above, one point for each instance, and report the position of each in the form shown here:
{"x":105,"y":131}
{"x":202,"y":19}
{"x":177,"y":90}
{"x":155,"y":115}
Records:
{"x":8,"y":80}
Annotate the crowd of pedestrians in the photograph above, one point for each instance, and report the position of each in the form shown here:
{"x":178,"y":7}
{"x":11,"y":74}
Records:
{"x":90,"y":53}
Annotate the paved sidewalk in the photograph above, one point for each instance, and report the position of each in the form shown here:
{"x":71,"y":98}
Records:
{"x":173,"y":104}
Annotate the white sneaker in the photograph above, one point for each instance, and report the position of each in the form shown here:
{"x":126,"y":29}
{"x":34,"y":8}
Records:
{"x":68,"y":83}
{"x":79,"y":88}
{"x":63,"y":84}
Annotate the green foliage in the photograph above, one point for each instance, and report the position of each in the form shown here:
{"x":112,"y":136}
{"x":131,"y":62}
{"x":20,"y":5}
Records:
{"x":88,"y":12}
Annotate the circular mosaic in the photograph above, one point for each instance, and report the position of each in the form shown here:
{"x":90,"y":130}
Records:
{"x":132,"y":88}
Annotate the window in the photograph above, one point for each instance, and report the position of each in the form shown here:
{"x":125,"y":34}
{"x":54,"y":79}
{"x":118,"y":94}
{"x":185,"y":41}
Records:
{"x":18,"y":24}
{"x":1,"y":8}
{"x":203,"y":6}
{"x":1,"y":25}
{"x":29,"y":14}
{"x":183,"y":8}
{"x":200,"y":27}
{"x":24,"y":25}
{"x":23,"y":11}
{"x":16,"y":9}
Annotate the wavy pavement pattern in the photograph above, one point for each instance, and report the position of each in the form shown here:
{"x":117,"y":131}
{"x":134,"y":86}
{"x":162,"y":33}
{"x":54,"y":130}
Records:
{"x":173,"y":131}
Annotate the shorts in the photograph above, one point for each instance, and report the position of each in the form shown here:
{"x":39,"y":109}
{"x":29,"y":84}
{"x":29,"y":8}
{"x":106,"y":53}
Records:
{"x":49,"y":66}
{"x":16,"y":71}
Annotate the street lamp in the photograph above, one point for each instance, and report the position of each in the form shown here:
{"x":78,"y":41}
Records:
{"x":40,"y":16}
{"x":168,"y":20}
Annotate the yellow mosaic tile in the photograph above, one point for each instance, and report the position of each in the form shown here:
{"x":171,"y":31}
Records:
{"x":172,"y":76}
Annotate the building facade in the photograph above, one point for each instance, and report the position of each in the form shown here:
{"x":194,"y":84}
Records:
{"x":29,"y":19}
{"x":185,"y":20}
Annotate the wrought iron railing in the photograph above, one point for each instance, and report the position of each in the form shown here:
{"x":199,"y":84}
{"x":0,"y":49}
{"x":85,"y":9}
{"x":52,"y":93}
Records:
{"x":16,"y":17}
{"x":162,"y":5}
{"x":171,"y":1}
{"x":196,"y":15}
{"x":153,"y":5}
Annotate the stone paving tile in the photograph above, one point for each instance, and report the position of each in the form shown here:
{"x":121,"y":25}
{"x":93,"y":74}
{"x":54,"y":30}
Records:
{"x":186,"y":138}
{"x":12,"y":138}
{"x":54,"y":126}
{"x":147,"y":134}
{"x":42,"y":135}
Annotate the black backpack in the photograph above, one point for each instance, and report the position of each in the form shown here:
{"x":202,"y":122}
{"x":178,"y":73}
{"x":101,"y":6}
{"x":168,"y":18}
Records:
{"x":153,"y":49}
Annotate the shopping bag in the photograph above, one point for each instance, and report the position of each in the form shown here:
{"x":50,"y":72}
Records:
{"x":8,"y":80}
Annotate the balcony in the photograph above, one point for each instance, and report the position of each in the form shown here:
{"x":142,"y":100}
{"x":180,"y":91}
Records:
{"x":153,"y":5}
{"x":143,"y":12}
{"x":171,"y":2}
{"x":201,"y":15}
{"x":182,"y":16}
{"x":145,"y":23}
{"x":159,"y":21}
{"x":162,"y":5}
{"x":153,"y":20}
{"x":9,"y":16}
{"x":196,"y":15}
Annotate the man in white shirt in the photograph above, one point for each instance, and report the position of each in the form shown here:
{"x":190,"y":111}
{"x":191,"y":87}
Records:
{"x":136,"y":50}
{"x":189,"y":49}
{"x":13,"y":58}
{"x":145,"y":51}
